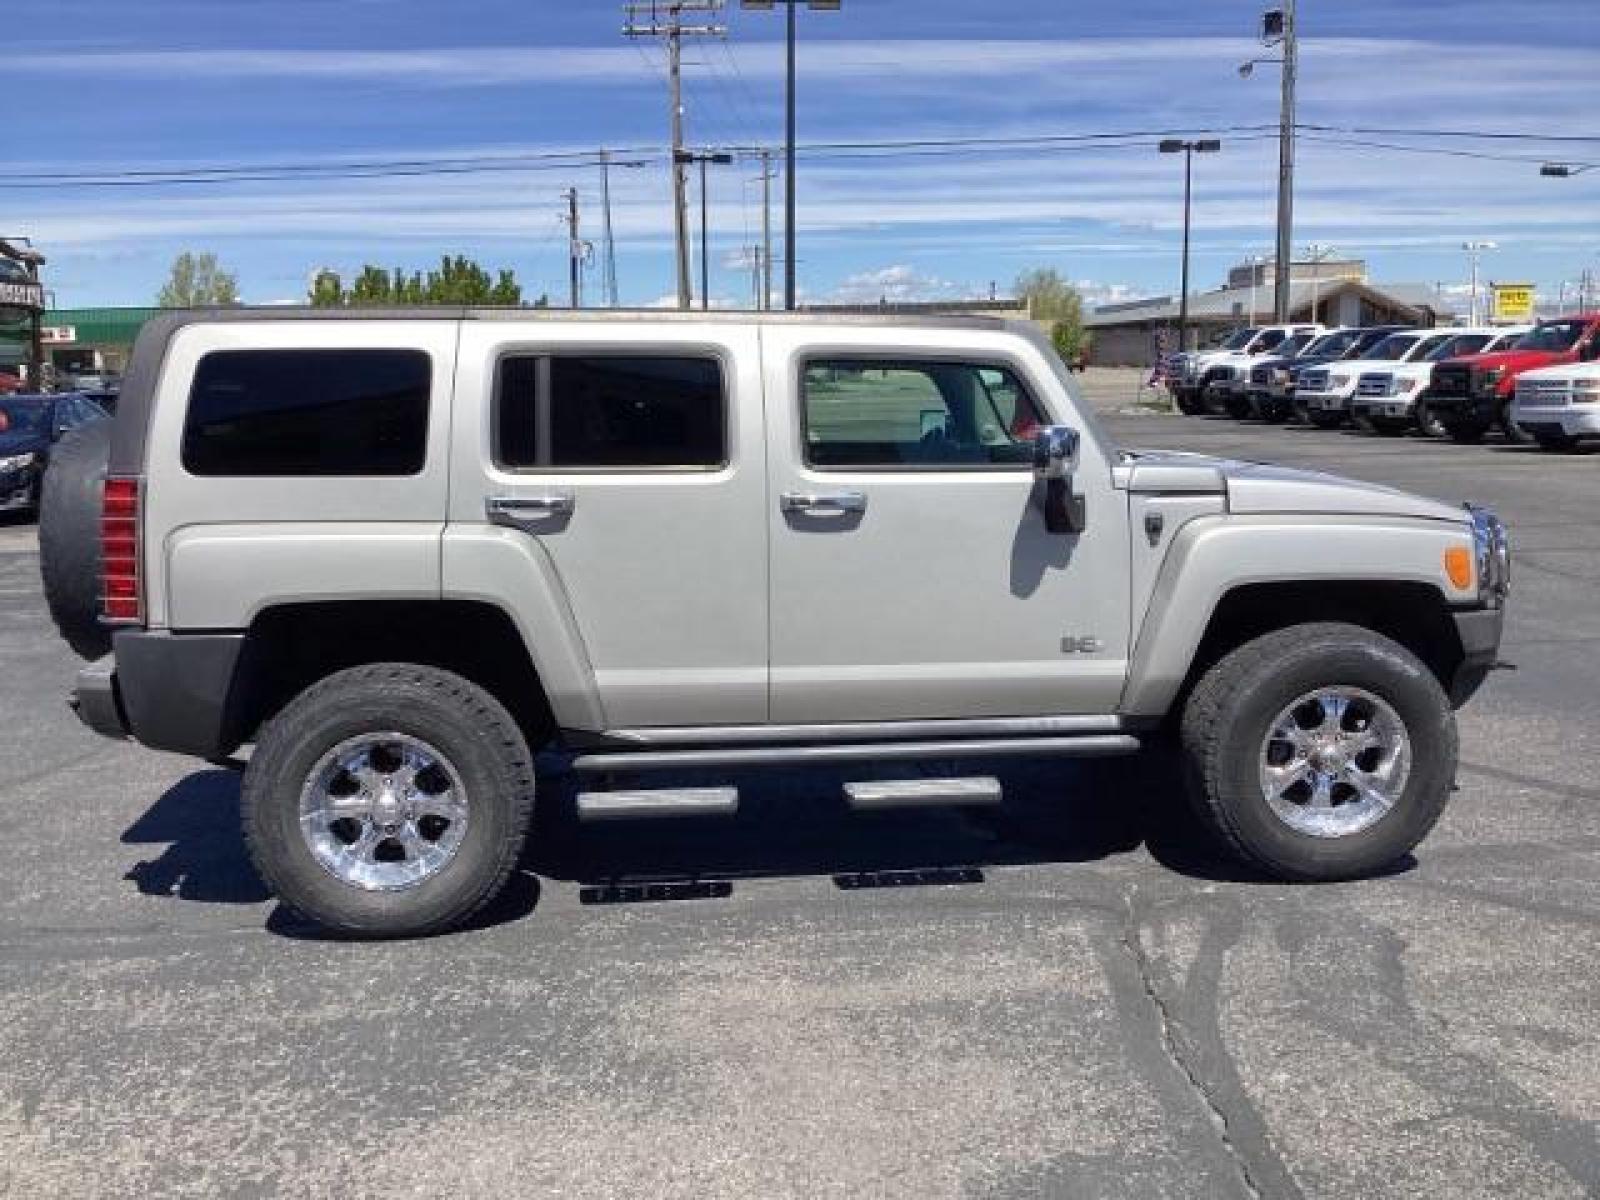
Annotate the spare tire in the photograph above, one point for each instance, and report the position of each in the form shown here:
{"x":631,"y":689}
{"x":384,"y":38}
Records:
{"x":69,"y":536}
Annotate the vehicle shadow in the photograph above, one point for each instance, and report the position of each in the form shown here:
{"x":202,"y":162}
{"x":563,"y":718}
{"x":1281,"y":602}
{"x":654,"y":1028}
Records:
{"x":793,"y":823}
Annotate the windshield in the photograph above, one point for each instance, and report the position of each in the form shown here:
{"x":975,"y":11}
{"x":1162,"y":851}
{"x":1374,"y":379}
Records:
{"x":1554,"y":336}
{"x":1458,"y":347}
{"x":1239,"y":340}
{"x":1332,"y":345}
{"x":1294,"y":345}
{"x":1392,"y":348}
{"x":23,"y":416}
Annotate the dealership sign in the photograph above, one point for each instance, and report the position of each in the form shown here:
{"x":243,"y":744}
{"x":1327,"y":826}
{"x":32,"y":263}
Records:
{"x":1513,"y":302}
{"x":21,"y":295}
{"x":58,"y":335}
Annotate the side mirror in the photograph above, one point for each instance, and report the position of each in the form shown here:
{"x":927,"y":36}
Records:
{"x":1055,"y":452}
{"x":1055,"y":459}
{"x":1591,"y":349}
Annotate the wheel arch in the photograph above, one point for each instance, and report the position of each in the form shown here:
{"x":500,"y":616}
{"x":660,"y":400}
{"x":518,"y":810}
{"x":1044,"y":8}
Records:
{"x":1235,"y":580}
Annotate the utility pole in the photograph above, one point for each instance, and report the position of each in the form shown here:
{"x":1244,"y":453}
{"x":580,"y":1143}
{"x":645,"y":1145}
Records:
{"x":1283,"y":272}
{"x":764,"y":293}
{"x":1474,"y":249}
{"x":609,"y":282}
{"x":574,"y":248}
{"x":664,"y":19}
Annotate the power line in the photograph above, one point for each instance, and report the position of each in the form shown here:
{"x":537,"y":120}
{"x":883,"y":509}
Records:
{"x":286,"y":172}
{"x":1484,"y":134}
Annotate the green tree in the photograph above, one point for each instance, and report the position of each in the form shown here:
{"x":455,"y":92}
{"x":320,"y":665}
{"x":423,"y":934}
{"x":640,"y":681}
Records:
{"x":458,"y":280}
{"x":198,"y":282}
{"x":1055,"y":302}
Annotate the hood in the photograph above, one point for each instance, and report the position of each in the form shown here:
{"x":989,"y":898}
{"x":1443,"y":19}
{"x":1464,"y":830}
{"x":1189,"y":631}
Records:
{"x":1261,"y":488}
{"x":1514,"y":361}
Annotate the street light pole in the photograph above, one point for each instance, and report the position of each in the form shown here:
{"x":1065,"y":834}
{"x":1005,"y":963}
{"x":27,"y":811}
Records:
{"x":703,"y":157}
{"x":789,"y":134}
{"x":1278,"y":29}
{"x":1188,"y":150}
{"x":1473,"y":249}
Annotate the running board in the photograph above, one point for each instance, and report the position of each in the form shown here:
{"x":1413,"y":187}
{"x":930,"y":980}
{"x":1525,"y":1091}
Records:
{"x":923,"y":793}
{"x":664,"y":802}
{"x":1100,"y":746}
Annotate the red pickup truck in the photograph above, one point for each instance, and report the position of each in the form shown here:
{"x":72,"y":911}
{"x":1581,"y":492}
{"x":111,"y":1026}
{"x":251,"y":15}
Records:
{"x":1469,"y":395}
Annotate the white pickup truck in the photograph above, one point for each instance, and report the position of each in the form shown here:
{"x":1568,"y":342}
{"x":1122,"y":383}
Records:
{"x":1194,"y":391}
{"x":1323,"y":394}
{"x":1559,"y":406}
{"x":1394,"y":399}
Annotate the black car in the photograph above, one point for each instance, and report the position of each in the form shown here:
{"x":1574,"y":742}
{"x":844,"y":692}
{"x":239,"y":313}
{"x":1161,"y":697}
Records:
{"x":29,"y":427}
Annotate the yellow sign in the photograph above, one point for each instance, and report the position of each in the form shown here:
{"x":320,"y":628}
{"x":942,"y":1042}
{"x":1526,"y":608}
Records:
{"x":1513,"y":302}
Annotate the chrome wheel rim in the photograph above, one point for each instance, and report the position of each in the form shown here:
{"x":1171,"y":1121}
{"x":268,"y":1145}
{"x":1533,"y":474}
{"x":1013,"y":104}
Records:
{"x":383,"y":811}
{"x":1334,"y":761}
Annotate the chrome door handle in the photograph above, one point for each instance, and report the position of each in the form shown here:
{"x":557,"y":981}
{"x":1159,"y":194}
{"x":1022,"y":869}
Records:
{"x":823,"y":502}
{"x":522,"y":512}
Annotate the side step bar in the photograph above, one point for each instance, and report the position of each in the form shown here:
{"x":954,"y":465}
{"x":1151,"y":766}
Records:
{"x":922,"y":793}
{"x":642,"y":804}
{"x":1097,"y":746}
{"x":665,"y":802}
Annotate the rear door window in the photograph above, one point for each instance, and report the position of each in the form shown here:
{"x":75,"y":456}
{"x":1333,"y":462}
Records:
{"x":610,"y":411}
{"x":305,"y":412}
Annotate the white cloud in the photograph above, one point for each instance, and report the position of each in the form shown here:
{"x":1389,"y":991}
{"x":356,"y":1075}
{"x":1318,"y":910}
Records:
{"x":898,"y":284}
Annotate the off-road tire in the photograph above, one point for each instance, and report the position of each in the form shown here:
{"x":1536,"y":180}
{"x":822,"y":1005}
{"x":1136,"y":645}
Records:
{"x":1322,"y":419}
{"x":1225,"y":722}
{"x":1188,"y":404}
{"x":464,"y":722}
{"x":1276,"y":412}
{"x":70,"y":502}
{"x":1239,"y":407}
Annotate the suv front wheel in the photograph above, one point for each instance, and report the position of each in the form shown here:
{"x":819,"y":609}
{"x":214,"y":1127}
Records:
{"x":389,"y":800}
{"x":1319,"y":752}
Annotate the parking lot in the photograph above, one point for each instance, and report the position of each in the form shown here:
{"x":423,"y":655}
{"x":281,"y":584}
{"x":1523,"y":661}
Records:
{"x":1068,"y":999}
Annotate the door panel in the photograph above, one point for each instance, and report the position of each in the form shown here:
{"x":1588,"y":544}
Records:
{"x":932,"y":588}
{"x":663,"y":566}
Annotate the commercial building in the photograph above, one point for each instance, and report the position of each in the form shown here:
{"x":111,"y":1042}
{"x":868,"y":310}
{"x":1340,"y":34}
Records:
{"x":1132,"y":334}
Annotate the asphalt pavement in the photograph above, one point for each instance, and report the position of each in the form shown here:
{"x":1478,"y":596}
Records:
{"x":1067,"y":998}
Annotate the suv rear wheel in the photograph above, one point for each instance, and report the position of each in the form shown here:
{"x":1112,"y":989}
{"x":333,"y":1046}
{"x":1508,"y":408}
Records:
{"x":1319,"y":752}
{"x":388,"y":800}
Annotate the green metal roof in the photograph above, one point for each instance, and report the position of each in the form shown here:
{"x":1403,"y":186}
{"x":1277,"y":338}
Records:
{"x":94,"y":326}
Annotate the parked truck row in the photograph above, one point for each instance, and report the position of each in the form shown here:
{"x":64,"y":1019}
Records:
{"x":1532,"y":383}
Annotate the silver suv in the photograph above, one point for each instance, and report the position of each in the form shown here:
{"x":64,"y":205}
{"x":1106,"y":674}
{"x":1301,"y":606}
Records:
{"x":399,"y":552}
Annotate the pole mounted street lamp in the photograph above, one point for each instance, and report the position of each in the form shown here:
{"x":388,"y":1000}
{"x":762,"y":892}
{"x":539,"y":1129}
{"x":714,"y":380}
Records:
{"x":1474,"y":249}
{"x":788,"y":173}
{"x":1188,"y":150}
{"x":1563,"y":170}
{"x":1316,"y":254}
{"x":721,"y":158}
{"x":1278,"y":29}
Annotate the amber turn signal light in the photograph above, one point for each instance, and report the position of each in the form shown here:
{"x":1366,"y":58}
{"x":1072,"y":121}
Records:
{"x":1458,"y":566}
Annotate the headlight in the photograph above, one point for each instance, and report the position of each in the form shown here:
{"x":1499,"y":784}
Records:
{"x":1586,"y":391}
{"x":1406,"y":385}
{"x":16,"y":462}
{"x":1339,"y":381}
{"x":1492,"y":548}
{"x":1490,"y":379}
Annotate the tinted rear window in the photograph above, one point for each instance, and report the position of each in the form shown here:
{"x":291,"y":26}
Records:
{"x":308,"y":412}
{"x":599,"y":410}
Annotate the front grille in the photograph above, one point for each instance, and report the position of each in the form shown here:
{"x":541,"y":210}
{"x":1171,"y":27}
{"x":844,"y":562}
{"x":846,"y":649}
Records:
{"x":1314,"y":381}
{"x":1452,"y":380}
{"x":1373,"y":385}
{"x":1262,"y":374}
{"x":1216,"y":374}
{"x":1544,"y":393}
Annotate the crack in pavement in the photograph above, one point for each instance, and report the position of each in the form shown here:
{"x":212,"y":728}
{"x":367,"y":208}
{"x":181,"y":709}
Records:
{"x":1173,"y":1048}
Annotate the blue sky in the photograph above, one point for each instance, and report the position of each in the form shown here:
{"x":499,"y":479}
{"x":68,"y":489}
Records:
{"x":113,"y":85}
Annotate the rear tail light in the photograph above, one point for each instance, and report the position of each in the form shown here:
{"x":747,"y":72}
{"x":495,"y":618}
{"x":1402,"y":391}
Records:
{"x":121,"y":589}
